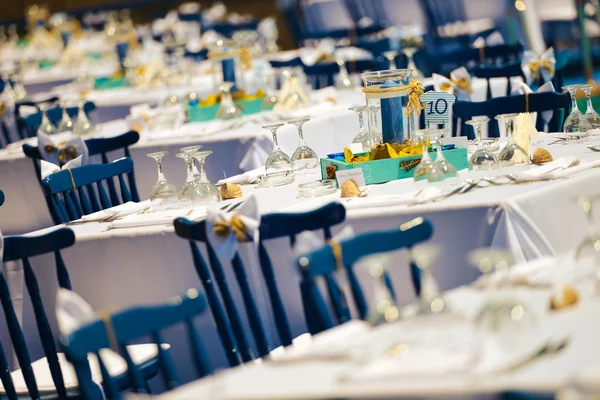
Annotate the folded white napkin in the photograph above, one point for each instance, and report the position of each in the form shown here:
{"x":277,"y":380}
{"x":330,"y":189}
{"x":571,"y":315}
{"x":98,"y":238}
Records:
{"x":165,"y":217}
{"x":556,"y":169}
{"x":48,"y":168}
{"x":245,"y":178}
{"x":121,"y":210}
{"x":412,"y":197}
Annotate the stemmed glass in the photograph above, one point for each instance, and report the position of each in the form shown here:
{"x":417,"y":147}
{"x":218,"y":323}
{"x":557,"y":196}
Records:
{"x":590,"y":246}
{"x":343,"y":78}
{"x":590,"y":115}
{"x":409,"y":52}
{"x":46,"y":126}
{"x":18,"y":87}
{"x":192,"y":149}
{"x":227,"y":109}
{"x":574,"y":123}
{"x":482,"y":159}
{"x":363,"y":137}
{"x":422,"y":171}
{"x":442,"y":169}
{"x":376,"y":134}
{"x":208,"y":192}
{"x":270,"y":97}
{"x":304,"y":157}
{"x":512,"y":151}
{"x":431,"y":301}
{"x":83,"y":125}
{"x":66,"y":124}
{"x":391,"y":57}
{"x":164,"y":195}
{"x":186,"y":194}
{"x":278,"y":168}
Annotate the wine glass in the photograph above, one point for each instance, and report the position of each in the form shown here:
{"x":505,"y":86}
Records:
{"x":375,"y":132}
{"x":512,"y":152}
{"x":574,"y":123}
{"x":164,"y":195}
{"x":66,"y":123}
{"x":409,"y":52}
{"x":18,"y":87}
{"x":482,"y":159}
{"x":590,"y":246}
{"x":422,"y":171}
{"x":363,"y":137}
{"x":207,"y":191}
{"x":391,"y":57}
{"x":46,"y":126}
{"x":503,"y":315}
{"x":278,"y":168}
{"x":270,"y":96}
{"x":304,"y":157}
{"x":590,"y":115}
{"x":186,"y":193}
{"x":343,"y":80}
{"x":192,"y":149}
{"x":431,"y":301}
{"x":442,"y":170}
{"x":83,"y":125}
{"x":227,"y":109}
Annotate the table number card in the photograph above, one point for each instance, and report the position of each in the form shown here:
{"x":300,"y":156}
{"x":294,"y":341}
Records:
{"x":354,"y":174}
{"x":438,"y":107}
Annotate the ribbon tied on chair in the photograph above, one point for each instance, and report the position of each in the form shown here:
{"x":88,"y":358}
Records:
{"x":520,"y":88}
{"x":225,"y":231}
{"x":61,"y":152}
{"x":459,"y":83}
{"x":538,"y":67}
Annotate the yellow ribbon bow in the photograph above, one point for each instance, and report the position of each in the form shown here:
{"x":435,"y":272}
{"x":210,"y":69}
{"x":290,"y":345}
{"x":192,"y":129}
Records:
{"x":64,"y":154}
{"x":536,"y":65}
{"x":223,"y":228}
{"x":461,"y":83}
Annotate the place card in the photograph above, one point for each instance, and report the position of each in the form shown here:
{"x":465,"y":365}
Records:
{"x":354,"y":174}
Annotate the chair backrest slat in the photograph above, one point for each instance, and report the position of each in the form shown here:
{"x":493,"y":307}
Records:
{"x":169,"y":374}
{"x":86,"y":206}
{"x":135,"y":376}
{"x":62,"y":183}
{"x":200,"y":358}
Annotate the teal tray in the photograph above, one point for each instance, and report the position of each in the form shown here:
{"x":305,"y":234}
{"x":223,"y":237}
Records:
{"x":198,"y":114}
{"x":109,"y":83}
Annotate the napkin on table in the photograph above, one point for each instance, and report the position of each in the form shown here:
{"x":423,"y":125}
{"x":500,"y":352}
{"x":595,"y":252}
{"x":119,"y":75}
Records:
{"x":122,"y":210}
{"x":165,"y":217}
{"x":245,"y":178}
{"x":413,"y":197}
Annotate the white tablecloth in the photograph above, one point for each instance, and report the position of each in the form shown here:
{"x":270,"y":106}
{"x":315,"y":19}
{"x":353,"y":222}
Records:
{"x":37,"y":81}
{"x":123,"y":267}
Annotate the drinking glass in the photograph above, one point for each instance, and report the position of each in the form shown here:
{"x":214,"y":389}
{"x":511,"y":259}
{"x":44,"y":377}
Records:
{"x":228,"y":109}
{"x":66,"y":123}
{"x":422,"y":171}
{"x":590,"y":246}
{"x":278,"y":168}
{"x":270,"y":96}
{"x":374,"y":130}
{"x":363,"y":137}
{"x":509,"y":154}
{"x":164,"y":195}
{"x":441,"y":169}
{"x":192,"y":149}
{"x":304,"y":157}
{"x":391,"y":57}
{"x":504,"y":315}
{"x":207,"y":191}
{"x":83,"y":125}
{"x":293,"y":99}
{"x":343,"y":80}
{"x":574,"y":123}
{"x":46,"y":126}
{"x":483,"y":159}
{"x":18,"y":87}
{"x":409,"y":52}
{"x":186,"y":194}
{"x":590,"y":115}
{"x":431,"y":301}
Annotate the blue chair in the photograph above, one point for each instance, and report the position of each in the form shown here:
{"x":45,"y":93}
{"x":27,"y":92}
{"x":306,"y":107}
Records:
{"x":100,"y":146}
{"x":534,"y":102}
{"x":322,"y":75}
{"x":6,"y":138}
{"x":322,"y":262}
{"x":2,"y":198}
{"x":117,"y":330}
{"x":272,"y":226}
{"x":28,"y":126}
{"x":72,"y":193}
{"x":444,"y":62}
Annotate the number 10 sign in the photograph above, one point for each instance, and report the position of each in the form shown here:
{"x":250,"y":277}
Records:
{"x":437,"y":107}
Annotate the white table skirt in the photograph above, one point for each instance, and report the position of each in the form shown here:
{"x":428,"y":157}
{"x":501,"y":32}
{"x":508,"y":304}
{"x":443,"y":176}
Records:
{"x":124,"y":267}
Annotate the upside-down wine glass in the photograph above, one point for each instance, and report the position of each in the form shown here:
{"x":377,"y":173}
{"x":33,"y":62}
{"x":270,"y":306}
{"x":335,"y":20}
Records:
{"x":208,"y":192}
{"x":409,"y":52}
{"x":512,"y":152}
{"x":391,"y":57}
{"x":574,"y":123}
{"x":422,"y":171}
{"x":431,"y":302}
{"x":46,"y":126}
{"x":193,"y":149}
{"x":363,"y":137}
{"x":66,"y":123}
{"x":278,"y":168}
{"x":343,"y":80}
{"x":482,"y":159}
{"x":590,"y":115}
{"x":83,"y":125}
{"x":164,"y":195}
{"x":228,"y":109}
{"x":441,"y":169}
{"x":304,"y":157}
{"x":590,"y":245}
{"x":186,"y":194}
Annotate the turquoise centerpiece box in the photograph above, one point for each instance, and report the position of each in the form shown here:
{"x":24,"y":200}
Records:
{"x":207,"y":113}
{"x":389,"y":169}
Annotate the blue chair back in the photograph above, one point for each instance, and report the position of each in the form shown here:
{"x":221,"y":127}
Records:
{"x":22,"y":248}
{"x":72,"y":193}
{"x":326,"y":15}
{"x":323,"y":262}
{"x":444,"y":63}
{"x":2,"y":198}
{"x":322,"y":75}
{"x":534,"y":102}
{"x":116,"y":331}
{"x":6,"y":137}
{"x":28,"y":126}
{"x":272,"y":226}
{"x":100,"y":146}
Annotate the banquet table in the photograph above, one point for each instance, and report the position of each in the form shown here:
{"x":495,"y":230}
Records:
{"x":38,"y":81}
{"x":235,"y":151}
{"x":115,"y":268}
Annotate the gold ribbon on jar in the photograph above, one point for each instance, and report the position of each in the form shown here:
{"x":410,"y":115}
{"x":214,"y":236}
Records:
{"x":415,"y":89}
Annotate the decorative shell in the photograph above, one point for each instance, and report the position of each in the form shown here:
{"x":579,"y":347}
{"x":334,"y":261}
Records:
{"x":230,"y":191}
{"x":541,"y":156}
{"x":350,"y":189}
{"x":567,"y":297}
{"x":330,"y":169}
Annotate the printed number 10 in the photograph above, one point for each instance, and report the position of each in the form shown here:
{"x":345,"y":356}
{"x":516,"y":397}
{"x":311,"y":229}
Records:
{"x":441,"y":106}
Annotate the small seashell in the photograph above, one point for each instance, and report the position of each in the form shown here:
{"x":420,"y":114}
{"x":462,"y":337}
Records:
{"x":567,"y":297}
{"x":230,"y":191}
{"x":350,"y":189}
{"x":330,"y":169}
{"x":541,"y":156}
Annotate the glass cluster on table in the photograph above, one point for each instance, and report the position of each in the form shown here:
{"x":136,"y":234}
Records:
{"x":81,"y":126}
{"x":577,"y":123}
{"x":197,"y":189}
{"x":280,"y":168}
{"x":440,"y":171}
